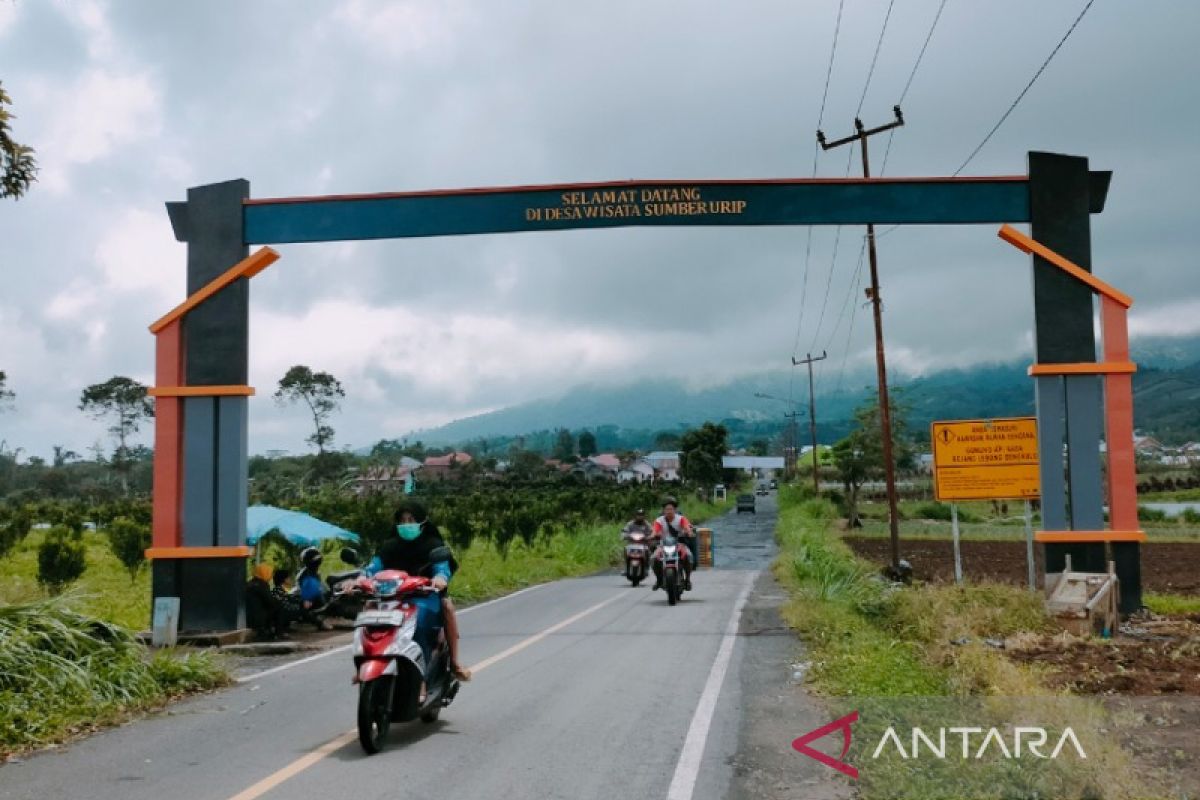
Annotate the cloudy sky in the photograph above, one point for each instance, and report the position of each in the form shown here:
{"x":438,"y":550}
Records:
{"x":130,"y":102}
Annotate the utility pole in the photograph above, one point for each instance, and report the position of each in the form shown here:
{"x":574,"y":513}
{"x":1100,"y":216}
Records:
{"x":812,"y":414}
{"x":791,"y":435}
{"x":861,"y":135}
{"x":789,"y":432}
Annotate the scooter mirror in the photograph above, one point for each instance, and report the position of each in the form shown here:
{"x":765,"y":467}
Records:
{"x":350,"y":556}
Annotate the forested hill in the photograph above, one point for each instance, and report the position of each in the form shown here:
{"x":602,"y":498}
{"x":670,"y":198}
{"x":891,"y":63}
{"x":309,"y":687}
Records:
{"x":1167,"y":401}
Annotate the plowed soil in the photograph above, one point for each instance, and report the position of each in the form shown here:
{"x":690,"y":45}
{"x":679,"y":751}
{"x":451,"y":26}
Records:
{"x":1167,"y":567}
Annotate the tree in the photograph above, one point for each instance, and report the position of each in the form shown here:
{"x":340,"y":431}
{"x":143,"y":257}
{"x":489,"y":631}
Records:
{"x":129,"y":540}
{"x":320,"y":391}
{"x":61,"y":559}
{"x":6,"y":394}
{"x":18,"y":168}
{"x":704,"y":449}
{"x":665,"y":440}
{"x":859,"y":457}
{"x":564,"y":445}
{"x":123,"y":401}
{"x":758,"y":447}
{"x":587,"y":444}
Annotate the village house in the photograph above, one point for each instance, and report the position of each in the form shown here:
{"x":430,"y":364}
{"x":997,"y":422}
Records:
{"x":440,"y":468}
{"x":665,"y":464}
{"x":636,"y":472}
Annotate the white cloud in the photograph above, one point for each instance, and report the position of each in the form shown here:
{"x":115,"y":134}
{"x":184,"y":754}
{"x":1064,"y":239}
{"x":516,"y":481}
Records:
{"x":396,"y":29}
{"x":101,"y":114}
{"x":9,"y":12}
{"x":449,"y":356}
{"x":1175,"y":319}
{"x":139,"y":254}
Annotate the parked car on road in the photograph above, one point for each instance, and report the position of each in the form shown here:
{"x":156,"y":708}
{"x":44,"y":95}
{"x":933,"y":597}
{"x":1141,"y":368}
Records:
{"x":745,"y":502}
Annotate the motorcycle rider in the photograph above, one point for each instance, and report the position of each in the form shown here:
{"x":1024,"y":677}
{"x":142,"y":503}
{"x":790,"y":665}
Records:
{"x":417,"y":536}
{"x":637,"y":525}
{"x":674,"y":524}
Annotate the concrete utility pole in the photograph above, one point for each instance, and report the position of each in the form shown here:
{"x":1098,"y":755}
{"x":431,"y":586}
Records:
{"x":812,"y":414}
{"x":861,"y":135}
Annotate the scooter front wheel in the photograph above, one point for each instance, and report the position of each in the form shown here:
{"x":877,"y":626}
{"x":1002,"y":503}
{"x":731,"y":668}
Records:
{"x":374,"y":713}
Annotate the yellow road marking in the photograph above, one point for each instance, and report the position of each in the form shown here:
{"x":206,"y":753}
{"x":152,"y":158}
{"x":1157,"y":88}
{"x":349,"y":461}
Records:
{"x":304,"y":762}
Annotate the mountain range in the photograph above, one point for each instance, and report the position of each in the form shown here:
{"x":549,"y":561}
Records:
{"x":1166,"y":401}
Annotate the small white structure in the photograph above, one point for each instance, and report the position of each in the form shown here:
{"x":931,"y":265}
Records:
{"x":637,"y":472}
{"x":665,"y":464}
{"x":760,"y":466}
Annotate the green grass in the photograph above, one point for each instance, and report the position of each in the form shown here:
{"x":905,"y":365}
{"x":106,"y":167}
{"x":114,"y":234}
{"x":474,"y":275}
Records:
{"x":105,"y":590}
{"x":889,"y":652}
{"x":1171,"y":603}
{"x":62,"y":673}
{"x":986,"y":528}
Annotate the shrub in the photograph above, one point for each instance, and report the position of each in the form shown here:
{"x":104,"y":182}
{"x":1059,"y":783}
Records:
{"x":14,"y":527}
{"x":1151,"y":514}
{"x":129,"y":541}
{"x":61,"y":559}
{"x":1191,"y":516}
{"x":941,"y":512}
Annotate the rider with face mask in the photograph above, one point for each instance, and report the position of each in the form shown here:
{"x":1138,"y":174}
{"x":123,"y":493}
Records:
{"x":416,"y":538}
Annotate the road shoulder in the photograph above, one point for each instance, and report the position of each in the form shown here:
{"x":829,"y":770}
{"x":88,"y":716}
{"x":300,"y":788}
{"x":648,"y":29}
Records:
{"x":776,"y":709}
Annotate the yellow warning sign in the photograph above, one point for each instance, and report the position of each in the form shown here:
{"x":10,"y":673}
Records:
{"x":985,"y":459}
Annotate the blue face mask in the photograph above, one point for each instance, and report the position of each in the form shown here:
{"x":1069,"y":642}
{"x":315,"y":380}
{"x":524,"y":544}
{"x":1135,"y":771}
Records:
{"x":409,"y":530}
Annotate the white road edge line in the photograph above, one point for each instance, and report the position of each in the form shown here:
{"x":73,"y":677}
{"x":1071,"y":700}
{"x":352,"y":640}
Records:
{"x":683,"y":784}
{"x":343,"y":648}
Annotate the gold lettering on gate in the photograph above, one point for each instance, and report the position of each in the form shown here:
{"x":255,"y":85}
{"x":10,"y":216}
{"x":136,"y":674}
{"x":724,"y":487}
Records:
{"x":604,"y":204}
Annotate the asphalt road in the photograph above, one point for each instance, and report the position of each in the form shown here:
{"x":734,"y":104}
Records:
{"x":585,"y":688}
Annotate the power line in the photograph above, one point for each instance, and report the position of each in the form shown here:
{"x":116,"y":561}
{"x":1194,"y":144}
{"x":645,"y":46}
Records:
{"x":911,"y":76}
{"x":921,"y":55}
{"x":1028,"y":86}
{"x":837,"y":27}
{"x":874,"y":58}
{"x":857,"y":281}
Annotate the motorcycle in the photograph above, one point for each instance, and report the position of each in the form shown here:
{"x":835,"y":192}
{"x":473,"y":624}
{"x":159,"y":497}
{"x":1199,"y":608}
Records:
{"x":637,"y":558}
{"x":389,"y":664}
{"x":671,"y":554}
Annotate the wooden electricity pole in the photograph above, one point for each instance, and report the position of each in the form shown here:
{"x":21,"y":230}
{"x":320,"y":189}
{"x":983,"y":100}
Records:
{"x":812,"y":414}
{"x":861,"y":135}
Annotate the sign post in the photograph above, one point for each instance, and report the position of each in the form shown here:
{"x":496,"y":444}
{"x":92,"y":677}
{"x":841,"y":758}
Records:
{"x":957,"y":549}
{"x":994,"y":459}
{"x":1029,"y":545}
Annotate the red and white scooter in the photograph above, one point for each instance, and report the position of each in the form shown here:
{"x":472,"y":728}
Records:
{"x":390,"y":665}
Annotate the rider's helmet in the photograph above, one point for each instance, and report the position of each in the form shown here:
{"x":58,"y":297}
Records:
{"x":310,"y":558}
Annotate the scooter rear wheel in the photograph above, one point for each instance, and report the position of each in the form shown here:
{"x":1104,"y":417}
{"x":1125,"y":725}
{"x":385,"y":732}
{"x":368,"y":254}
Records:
{"x":374,"y":713}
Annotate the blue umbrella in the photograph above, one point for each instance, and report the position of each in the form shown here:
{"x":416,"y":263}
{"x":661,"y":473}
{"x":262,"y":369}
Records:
{"x":297,"y":527}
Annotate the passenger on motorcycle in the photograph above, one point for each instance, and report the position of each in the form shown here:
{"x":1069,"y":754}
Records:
{"x":417,"y":536}
{"x":674,"y":524}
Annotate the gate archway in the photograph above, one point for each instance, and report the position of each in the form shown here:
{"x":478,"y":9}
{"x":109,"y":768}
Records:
{"x":201,"y":428}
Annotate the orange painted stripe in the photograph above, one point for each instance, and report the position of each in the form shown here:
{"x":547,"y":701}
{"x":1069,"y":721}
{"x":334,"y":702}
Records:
{"x":168,"y":439}
{"x":248,"y":267}
{"x":1090,"y":536}
{"x":201,"y":391}
{"x":1118,"y":419}
{"x":1098,"y":368}
{"x":199,"y":552}
{"x":1023,"y":242}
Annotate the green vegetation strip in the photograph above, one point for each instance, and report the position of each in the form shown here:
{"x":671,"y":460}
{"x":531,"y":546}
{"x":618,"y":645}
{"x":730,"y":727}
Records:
{"x":917,"y":656}
{"x":62,"y":673}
